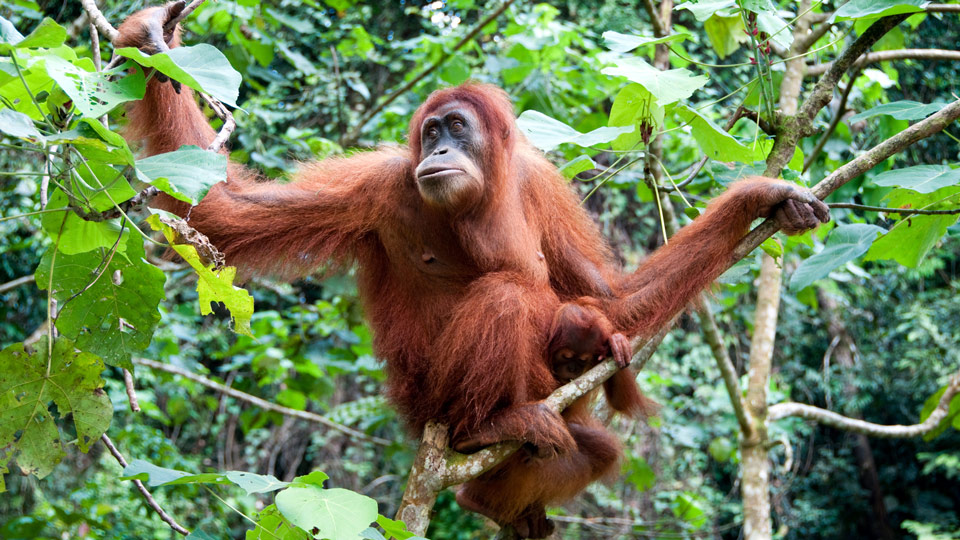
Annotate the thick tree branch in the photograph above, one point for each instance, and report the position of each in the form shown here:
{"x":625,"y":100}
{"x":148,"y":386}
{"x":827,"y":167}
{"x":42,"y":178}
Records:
{"x":143,"y":490}
{"x":837,"y":117}
{"x":888,"y":56}
{"x":262,"y":403}
{"x":856,"y":167}
{"x":830,"y":418}
{"x":351,"y":138}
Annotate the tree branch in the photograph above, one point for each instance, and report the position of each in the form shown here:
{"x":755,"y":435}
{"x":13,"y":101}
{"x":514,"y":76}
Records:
{"x":143,"y":490}
{"x":832,"y":419}
{"x":888,"y":56}
{"x":856,"y":167}
{"x":13,"y":284}
{"x":259,"y":402}
{"x":350,"y":138}
{"x":101,"y":22}
{"x":837,"y":117}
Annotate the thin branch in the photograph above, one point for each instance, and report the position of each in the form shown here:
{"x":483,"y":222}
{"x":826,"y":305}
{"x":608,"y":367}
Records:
{"x":655,"y":21}
{"x":830,"y":418}
{"x":837,"y":117}
{"x":888,"y":56}
{"x":856,"y":167}
{"x":143,"y":490}
{"x":259,"y":402}
{"x":352,"y":136}
{"x":904,"y":211}
{"x":131,"y":391}
{"x":766,"y":126}
{"x":729,"y":373}
{"x":101,"y":22}
{"x":942,"y":8}
{"x":13,"y":284}
{"x":229,"y":124}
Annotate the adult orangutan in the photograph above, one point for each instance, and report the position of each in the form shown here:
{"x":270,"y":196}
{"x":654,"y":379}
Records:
{"x":477,"y":268}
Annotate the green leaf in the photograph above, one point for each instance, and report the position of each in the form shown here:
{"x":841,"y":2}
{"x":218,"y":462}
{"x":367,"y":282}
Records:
{"x":455,"y":71}
{"x":185,"y":174}
{"x":108,"y":304}
{"x":900,"y":110}
{"x":547,"y":133}
{"x":334,"y":514}
{"x":666,"y":86}
{"x":17,"y":124}
{"x":48,"y":34}
{"x":74,"y":235}
{"x":212,"y":286}
{"x":721,"y":449}
{"x":725,"y":33}
{"x":29,"y":382}
{"x":256,"y":483}
{"x":394,"y":528}
{"x":845,"y":243}
{"x":577,"y":165}
{"x":153,"y":475}
{"x":863,"y":9}
{"x":633,"y":106}
{"x":953,"y":413}
{"x":909,"y":242}
{"x":920,"y":178}
{"x":271,"y":525}
{"x":201,"y":67}
{"x":315,"y":478}
{"x":714,"y":141}
{"x":640,"y":474}
{"x":772,"y":247}
{"x":93,"y":93}
{"x":704,"y":9}
{"x":624,"y":43}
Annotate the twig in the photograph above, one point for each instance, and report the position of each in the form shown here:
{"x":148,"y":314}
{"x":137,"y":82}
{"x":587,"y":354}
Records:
{"x":351,"y":137}
{"x":262,"y":403}
{"x":830,"y":418}
{"x":942,"y":8}
{"x":229,"y":124}
{"x":131,"y":391}
{"x":143,"y":490}
{"x":887,"y":56}
{"x":102,"y":24}
{"x":837,"y":117}
{"x":13,"y":284}
{"x":905,"y":211}
{"x":172,"y":23}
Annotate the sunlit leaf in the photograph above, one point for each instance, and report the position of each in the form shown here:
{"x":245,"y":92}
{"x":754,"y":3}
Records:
{"x":666,"y":86}
{"x":335,"y":514}
{"x":547,"y":133}
{"x":860,"y":9}
{"x":623,"y":43}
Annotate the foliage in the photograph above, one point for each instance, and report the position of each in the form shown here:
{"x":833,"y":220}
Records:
{"x":581,"y":74}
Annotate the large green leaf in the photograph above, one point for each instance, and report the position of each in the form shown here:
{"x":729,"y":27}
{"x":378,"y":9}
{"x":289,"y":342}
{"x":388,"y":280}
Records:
{"x":634,"y":106}
{"x":201,"y":67}
{"x":93,"y":93}
{"x":900,"y":110}
{"x":911,"y":238}
{"x":547,"y":133}
{"x":869,"y":9}
{"x":185,"y":174}
{"x":666,"y":86}
{"x":334,"y":514}
{"x":48,"y":34}
{"x":714,"y":141}
{"x":920,"y":178}
{"x":213,"y":285}
{"x":845,"y":243}
{"x":725,"y":33}
{"x":161,"y":476}
{"x":704,"y":9}
{"x":624,"y":43}
{"x":29,"y":382}
{"x":75,"y":235}
{"x":108,"y":304}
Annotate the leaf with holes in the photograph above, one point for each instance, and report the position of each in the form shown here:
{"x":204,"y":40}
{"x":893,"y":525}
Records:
{"x":94,"y":94}
{"x":33,"y":379}
{"x":213,"y":285}
{"x":108,"y":303}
